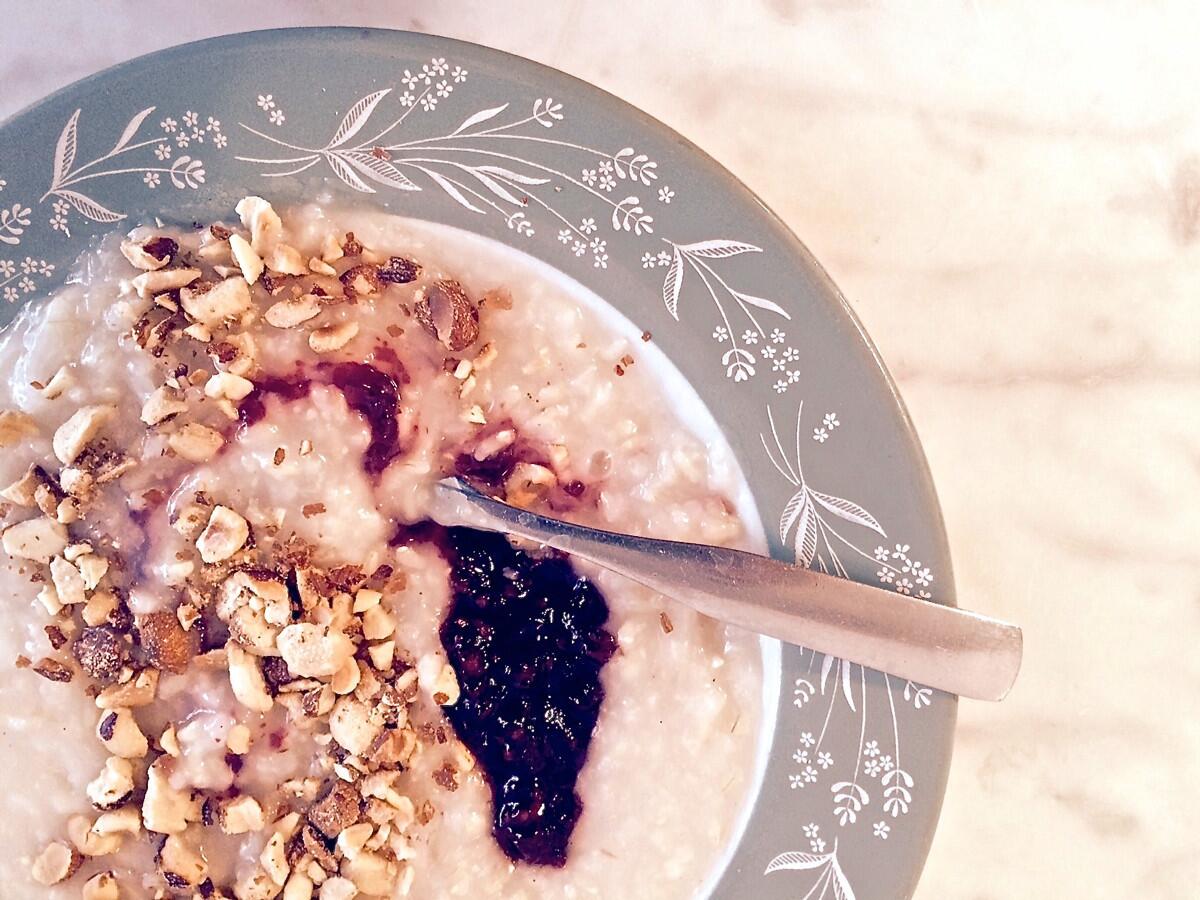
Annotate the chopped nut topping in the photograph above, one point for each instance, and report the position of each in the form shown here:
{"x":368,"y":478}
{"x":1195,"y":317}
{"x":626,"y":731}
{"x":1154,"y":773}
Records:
{"x":125,"y":820}
{"x":102,"y":886}
{"x":180,"y":863}
{"x":399,"y":270}
{"x":101,"y":652}
{"x":35,"y":539}
{"x":225,"y":534}
{"x":363,"y":280}
{"x":223,"y":301}
{"x":246,"y":679}
{"x":53,"y":670}
{"x":196,"y":443}
{"x":79,"y":430}
{"x":56,"y":863}
{"x":159,"y":282}
{"x":448,"y":314}
{"x":167,"y":646}
{"x":314,"y":651}
{"x":140,"y":691}
{"x":228,"y":386}
{"x":247,"y":260}
{"x":241,"y":815}
{"x":290,"y":313}
{"x":120,"y":734}
{"x":68,"y":583}
{"x":87,"y":841}
{"x":113,"y":785}
{"x":263,"y":222}
{"x":164,"y":809}
{"x":151,"y":254}
{"x":332,"y":337}
{"x":238,"y":740}
{"x":338,"y":809}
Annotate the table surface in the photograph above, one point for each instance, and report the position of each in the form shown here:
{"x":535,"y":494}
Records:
{"x":1009,"y":195}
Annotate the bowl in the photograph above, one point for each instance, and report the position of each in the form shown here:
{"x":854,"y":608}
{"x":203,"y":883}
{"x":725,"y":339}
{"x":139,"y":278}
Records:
{"x":854,"y":765}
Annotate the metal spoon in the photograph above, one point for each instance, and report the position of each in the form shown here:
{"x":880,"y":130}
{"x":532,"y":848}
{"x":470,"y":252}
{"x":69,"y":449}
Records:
{"x":946,"y":648}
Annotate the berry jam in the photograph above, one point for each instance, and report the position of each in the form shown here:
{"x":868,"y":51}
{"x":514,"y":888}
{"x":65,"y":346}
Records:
{"x":371,"y":393}
{"x":526,"y":637}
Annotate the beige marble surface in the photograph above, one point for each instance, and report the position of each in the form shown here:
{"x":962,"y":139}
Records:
{"x":1009,"y":194}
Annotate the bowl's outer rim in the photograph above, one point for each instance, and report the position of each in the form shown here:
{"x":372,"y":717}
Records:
{"x":921,"y":472}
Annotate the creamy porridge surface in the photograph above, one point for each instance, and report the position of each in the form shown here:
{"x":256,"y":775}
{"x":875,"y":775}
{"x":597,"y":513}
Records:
{"x":226,"y":630}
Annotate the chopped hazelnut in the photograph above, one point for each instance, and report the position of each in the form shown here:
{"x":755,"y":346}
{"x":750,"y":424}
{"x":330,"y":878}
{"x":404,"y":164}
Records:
{"x":241,"y":815}
{"x":345,"y":679}
{"x":125,"y":820}
{"x":246,"y":679}
{"x":101,"y":886}
{"x":140,"y":691}
{"x":58,"y":862}
{"x":67,"y":582}
{"x":238,"y":740}
{"x":88,"y":841}
{"x":371,"y":873}
{"x":338,"y":809}
{"x":78,"y":431}
{"x":98,"y":608}
{"x":92,"y":568}
{"x":314,"y":651}
{"x":53,"y":670}
{"x":225,"y":534}
{"x":361,"y":281}
{"x":196,"y":443}
{"x":223,"y":301}
{"x":355,"y":725}
{"x":22,"y":491}
{"x":382,"y":655}
{"x":338,"y":888}
{"x":149,"y":255}
{"x":113,"y":785}
{"x":263,"y":223}
{"x":226,"y":385}
{"x":447,"y":313}
{"x":120,"y":734}
{"x":163,"y":403}
{"x":162,"y":280}
{"x":167,"y":646}
{"x":290,"y":313}
{"x":164,"y":809}
{"x":286,"y":260}
{"x":377,"y":623}
{"x":169,"y":741}
{"x":299,"y":887}
{"x":247,"y":260}
{"x":180,"y":863}
{"x":332,"y":337}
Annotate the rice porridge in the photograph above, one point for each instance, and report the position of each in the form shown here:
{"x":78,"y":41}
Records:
{"x":243,"y":663}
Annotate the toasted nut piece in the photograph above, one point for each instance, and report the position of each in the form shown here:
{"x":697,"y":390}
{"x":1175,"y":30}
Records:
{"x":163,"y":403}
{"x":332,"y":337}
{"x":15,"y":426}
{"x":98,"y":608}
{"x":224,"y":300}
{"x":361,"y":281}
{"x":364,"y":599}
{"x":60,"y":382}
{"x":48,"y":597}
{"x":191,"y":520}
{"x":263,"y":222}
{"x":382,"y":655}
{"x":286,"y":260}
{"x":338,"y":809}
{"x":246,"y":679}
{"x":290,"y":313}
{"x":338,"y":888}
{"x":113,"y":785}
{"x":149,"y":255}
{"x":56,"y":863}
{"x":164,"y":809}
{"x":372,"y":873}
{"x":237,"y":741}
{"x":195,"y":442}
{"x":168,"y":647}
{"x":75,"y":433}
{"x":224,"y":535}
{"x":241,"y":815}
{"x":180,"y":863}
{"x":169,"y":741}
{"x":92,"y":568}
{"x":351,"y":841}
{"x":377,"y":624}
{"x":299,"y":887}
{"x":101,"y":886}
{"x":163,"y":280}
{"x":345,"y":679}
{"x":247,"y":260}
{"x":101,"y":652}
{"x":37,"y":539}
{"x":76,"y":481}
{"x":228,"y":386}
{"x":125,"y":820}
{"x":528,"y":483}
{"x":447,"y":313}
{"x":399,"y":270}
{"x":120,"y":734}
{"x":255,"y":884}
{"x":273,"y":859}
{"x":314,"y":651}
{"x":320,"y":267}
{"x":67,"y":582}
{"x":22,"y":491}
{"x":87,"y":841}
{"x":354,"y":724}
{"x":138,"y":692}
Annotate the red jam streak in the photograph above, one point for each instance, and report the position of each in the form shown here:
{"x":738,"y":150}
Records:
{"x":526,"y":636}
{"x":371,"y":393}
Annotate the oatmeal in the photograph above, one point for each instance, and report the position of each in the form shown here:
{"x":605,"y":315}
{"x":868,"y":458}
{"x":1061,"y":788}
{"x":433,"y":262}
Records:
{"x":244,"y":664}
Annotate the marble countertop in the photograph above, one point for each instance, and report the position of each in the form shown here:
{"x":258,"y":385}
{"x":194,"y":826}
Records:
{"x":1009,"y":195}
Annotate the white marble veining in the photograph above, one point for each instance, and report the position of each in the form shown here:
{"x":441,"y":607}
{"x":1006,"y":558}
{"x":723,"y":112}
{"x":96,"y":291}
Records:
{"x":1009,"y":195}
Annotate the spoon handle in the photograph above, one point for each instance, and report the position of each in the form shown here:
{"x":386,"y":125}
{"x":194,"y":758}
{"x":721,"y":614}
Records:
{"x":946,"y":648}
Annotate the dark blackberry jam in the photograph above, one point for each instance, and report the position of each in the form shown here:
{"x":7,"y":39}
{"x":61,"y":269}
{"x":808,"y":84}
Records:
{"x":526,"y":637}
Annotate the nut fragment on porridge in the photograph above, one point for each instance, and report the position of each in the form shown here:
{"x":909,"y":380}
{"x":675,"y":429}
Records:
{"x":252,"y":668}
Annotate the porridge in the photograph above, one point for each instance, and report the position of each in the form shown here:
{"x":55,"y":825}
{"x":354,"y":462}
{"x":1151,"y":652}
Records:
{"x":244,"y":664}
